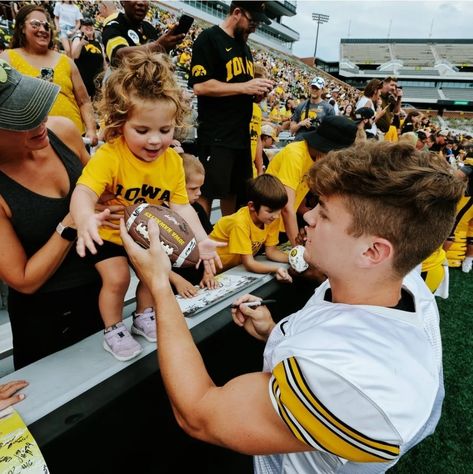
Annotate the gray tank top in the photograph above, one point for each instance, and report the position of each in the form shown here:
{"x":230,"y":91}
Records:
{"x":35,"y":217}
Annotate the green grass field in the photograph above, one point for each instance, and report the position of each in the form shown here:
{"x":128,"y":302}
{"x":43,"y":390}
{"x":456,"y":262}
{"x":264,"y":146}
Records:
{"x":450,"y":449}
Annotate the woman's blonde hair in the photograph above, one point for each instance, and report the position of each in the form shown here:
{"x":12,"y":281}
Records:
{"x":141,"y":75}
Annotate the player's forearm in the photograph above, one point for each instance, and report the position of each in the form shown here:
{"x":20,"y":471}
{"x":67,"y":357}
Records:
{"x":180,"y":362}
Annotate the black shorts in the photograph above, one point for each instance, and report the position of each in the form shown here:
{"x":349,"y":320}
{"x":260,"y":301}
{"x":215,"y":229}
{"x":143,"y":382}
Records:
{"x":226,"y":170}
{"x":106,"y":251}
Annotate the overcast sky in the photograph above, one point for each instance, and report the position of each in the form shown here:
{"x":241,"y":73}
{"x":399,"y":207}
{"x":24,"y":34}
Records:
{"x":377,"y":19}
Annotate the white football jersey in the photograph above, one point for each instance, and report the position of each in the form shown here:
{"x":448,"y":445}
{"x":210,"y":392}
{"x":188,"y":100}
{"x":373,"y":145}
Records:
{"x":359,"y":384}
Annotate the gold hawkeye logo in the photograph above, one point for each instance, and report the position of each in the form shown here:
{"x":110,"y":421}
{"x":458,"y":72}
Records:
{"x":198,"y":70}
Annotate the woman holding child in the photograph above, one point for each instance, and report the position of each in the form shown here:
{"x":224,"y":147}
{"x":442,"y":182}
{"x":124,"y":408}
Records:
{"x":52,"y":301}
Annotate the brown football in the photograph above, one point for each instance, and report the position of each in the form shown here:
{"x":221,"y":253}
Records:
{"x":175,"y":234}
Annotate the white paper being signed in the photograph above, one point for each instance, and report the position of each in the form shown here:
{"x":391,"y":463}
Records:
{"x":229,"y":285}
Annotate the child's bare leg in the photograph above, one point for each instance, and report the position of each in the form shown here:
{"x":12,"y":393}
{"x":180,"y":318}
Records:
{"x":115,"y":276}
{"x":118,"y":341}
{"x":144,"y":299}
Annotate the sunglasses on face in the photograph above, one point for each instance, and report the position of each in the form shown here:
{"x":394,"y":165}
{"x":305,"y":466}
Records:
{"x":36,"y":24}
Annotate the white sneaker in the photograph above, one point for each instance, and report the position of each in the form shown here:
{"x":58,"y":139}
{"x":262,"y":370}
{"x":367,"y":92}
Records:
{"x":467,"y":264}
{"x":120,"y":343}
{"x":144,"y":324}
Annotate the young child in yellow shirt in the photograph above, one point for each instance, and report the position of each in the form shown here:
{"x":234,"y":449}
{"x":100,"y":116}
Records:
{"x":250,"y":228}
{"x":140,"y":107}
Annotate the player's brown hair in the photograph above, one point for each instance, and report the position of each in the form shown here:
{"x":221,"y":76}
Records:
{"x":142,"y":75}
{"x":393,"y":191}
{"x":267,"y":190}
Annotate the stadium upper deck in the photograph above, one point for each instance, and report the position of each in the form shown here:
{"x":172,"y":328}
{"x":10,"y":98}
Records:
{"x":277,"y":35}
{"x":432,"y":71}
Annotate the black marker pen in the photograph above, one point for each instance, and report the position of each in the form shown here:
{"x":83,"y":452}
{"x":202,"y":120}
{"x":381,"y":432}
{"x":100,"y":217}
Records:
{"x":253,"y":304}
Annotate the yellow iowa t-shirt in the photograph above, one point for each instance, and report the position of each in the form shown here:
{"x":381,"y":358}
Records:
{"x":243,"y":237}
{"x":115,"y":169}
{"x":291,"y":166}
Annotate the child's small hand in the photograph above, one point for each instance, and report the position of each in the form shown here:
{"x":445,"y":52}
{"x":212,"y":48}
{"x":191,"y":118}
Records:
{"x":209,"y":256}
{"x":184,"y":288}
{"x":209,"y":281}
{"x":116,"y":212}
{"x":88,"y":232}
{"x":283,"y":275}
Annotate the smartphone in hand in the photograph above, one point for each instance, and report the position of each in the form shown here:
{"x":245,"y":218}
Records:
{"x":185,"y":22}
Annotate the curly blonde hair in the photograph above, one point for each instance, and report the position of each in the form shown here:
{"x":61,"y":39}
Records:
{"x":142,"y":75}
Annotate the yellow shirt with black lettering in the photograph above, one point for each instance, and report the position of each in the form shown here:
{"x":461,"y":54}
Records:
{"x":242,"y":236}
{"x":115,"y":169}
{"x":291,"y":166}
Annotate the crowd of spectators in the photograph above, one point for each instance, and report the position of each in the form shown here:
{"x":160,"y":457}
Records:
{"x":291,"y":76}
{"x":69,"y":50}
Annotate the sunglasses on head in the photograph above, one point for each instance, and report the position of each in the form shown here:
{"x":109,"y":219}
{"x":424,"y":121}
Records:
{"x":36,"y":24}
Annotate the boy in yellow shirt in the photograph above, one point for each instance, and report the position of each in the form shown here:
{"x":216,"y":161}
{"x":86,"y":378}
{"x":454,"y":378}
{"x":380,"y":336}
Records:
{"x":253,"y":226}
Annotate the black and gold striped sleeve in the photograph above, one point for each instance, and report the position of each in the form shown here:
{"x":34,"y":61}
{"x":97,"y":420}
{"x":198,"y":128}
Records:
{"x":315,"y":425}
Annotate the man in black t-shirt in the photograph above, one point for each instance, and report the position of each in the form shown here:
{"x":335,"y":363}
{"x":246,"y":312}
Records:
{"x":222,"y":76}
{"x":124,"y":31}
{"x":87,"y":54}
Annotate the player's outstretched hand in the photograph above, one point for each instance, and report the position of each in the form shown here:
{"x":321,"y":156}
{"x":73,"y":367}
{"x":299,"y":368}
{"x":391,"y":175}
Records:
{"x":8,"y":393}
{"x":152,"y":265}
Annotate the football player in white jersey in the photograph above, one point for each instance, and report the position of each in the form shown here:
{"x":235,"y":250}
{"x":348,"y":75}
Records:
{"x":354,"y":379}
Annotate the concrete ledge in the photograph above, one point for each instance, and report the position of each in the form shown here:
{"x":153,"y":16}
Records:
{"x":70,"y":385}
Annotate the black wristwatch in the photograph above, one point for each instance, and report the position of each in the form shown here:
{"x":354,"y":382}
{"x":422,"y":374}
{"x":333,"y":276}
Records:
{"x":67,"y":233}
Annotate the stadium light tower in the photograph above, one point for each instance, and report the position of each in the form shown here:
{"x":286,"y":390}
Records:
{"x":319,"y":18}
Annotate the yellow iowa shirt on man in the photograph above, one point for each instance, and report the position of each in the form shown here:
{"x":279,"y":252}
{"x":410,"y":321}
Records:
{"x":65,"y":104}
{"x":243,"y":237}
{"x":115,"y":169}
{"x":291,"y":165}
